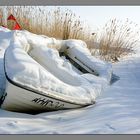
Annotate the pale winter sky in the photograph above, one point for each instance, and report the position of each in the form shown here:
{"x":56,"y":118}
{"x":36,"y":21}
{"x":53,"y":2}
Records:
{"x":97,"y":16}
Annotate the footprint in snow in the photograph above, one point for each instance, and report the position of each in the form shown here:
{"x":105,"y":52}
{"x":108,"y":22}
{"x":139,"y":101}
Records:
{"x":12,"y":124}
{"x":110,"y":127}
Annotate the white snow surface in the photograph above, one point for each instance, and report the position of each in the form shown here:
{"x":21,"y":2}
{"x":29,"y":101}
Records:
{"x":117,"y":110}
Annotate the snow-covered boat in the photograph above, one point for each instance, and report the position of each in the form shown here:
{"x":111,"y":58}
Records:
{"x":40,"y":78}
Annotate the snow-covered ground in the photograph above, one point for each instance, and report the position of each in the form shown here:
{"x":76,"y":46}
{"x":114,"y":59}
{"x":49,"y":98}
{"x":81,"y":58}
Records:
{"x":117,"y":110}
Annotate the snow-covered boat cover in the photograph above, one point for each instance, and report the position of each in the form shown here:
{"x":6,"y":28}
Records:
{"x":32,"y":61}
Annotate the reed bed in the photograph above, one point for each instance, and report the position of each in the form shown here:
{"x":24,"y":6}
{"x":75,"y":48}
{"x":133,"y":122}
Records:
{"x":113,"y":41}
{"x":117,"y":39}
{"x":58,"y":23}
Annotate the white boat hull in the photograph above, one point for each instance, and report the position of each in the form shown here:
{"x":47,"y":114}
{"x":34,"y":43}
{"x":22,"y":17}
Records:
{"x":19,"y":99}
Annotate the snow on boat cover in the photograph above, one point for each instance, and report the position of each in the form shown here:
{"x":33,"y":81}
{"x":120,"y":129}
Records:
{"x":41,"y":78}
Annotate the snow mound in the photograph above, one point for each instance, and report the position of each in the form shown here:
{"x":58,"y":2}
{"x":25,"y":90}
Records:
{"x":5,"y":38}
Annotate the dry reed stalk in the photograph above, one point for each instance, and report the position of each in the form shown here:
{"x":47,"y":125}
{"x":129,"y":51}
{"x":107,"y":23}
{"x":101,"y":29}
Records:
{"x":117,"y":39}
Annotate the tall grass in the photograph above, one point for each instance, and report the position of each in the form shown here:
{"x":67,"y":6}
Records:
{"x":117,"y":39}
{"x":58,"y":23}
{"x":1,"y":17}
{"x":113,"y":41}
